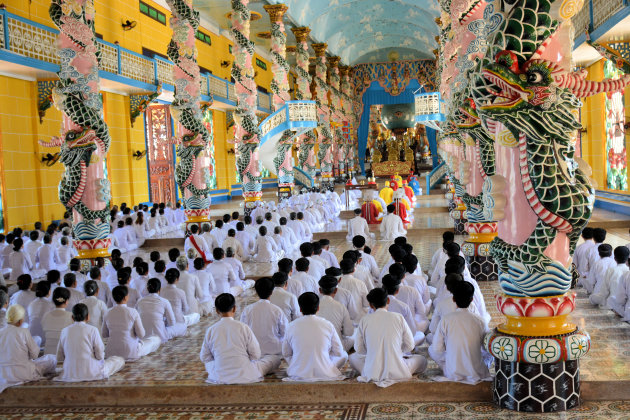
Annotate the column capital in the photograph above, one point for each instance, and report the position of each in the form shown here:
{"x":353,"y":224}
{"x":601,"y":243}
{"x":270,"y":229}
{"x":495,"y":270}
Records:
{"x":276,"y":11}
{"x":301,"y":33}
{"x":320,"y":49}
{"x":344,"y":70}
{"x":333,"y":61}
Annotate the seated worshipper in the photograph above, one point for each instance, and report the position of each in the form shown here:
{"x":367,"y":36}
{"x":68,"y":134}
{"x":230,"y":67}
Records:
{"x":18,"y":261}
{"x":356,"y":287}
{"x":234,"y":221}
{"x":282,"y":242}
{"x":397,"y":253}
{"x":456,"y":265}
{"x":208,"y":236}
{"x":122,"y":238}
{"x":335,"y":312}
{"x":206,"y":283}
{"x":230,"y":350}
{"x":387,"y":193}
{"x":599,"y":268}
{"x":96,"y":307}
{"x":369,"y":210}
{"x":360,"y":272}
{"x":452,"y":249}
{"x":294,"y":286}
{"x":218,"y":232}
{"x":189,"y":283}
{"x":603,"y":293}
{"x":133,"y":240}
{"x":198,"y":243}
{"x":173,"y":254}
{"x":37,"y":309}
{"x":4,"y":304}
{"x":141,"y":228}
{"x":367,"y":261}
{"x":265,"y":248}
{"x":236,"y":264}
{"x":306,"y":281}
{"x":19,"y":353}
{"x":157,"y":314}
{"x":124,"y":279}
{"x":358,"y":226}
{"x":312,"y":347}
{"x":177,"y":298}
{"x":599,"y":236}
{"x":346,"y":298}
{"x":284,"y":300}
{"x":327,"y":254}
{"x":75,"y":268}
{"x":445,"y":305}
{"x":317,"y":254}
{"x":47,"y":256}
{"x":392,"y":225}
{"x":288,"y":233}
{"x":266,"y":320}
{"x":391,"y":285}
{"x":104,"y":291}
{"x":246,"y":240}
{"x":316,"y":268}
{"x":24,"y":296}
{"x":83,"y":352}
{"x":224,"y":276}
{"x":411,"y":297}
{"x":159,"y":270}
{"x":447,"y":236}
{"x":580,"y":256}
{"x":382,"y":341}
{"x":66,"y":253}
{"x":419,"y":282}
{"x":402,"y":207}
{"x":123,"y":326}
{"x":457,"y":346}
{"x":76,"y":295}
{"x":232,"y":242}
{"x":32,"y":245}
{"x":308,"y":232}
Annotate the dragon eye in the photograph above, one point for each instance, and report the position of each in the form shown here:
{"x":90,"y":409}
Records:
{"x":534,"y":77}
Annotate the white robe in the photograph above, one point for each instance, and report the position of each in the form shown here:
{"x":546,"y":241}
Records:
{"x":381,"y":339}
{"x":306,"y":281}
{"x":83,"y":352}
{"x":287,"y":302}
{"x":392,"y":227}
{"x":237,"y":248}
{"x":339,"y":317}
{"x":179,"y":304}
{"x":596,"y":274}
{"x":265,"y":250}
{"x":224,"y":277}
{"x":358,"y":226}
{"x":232,"y":355}
{"x":457,"y":348}
{"x":606,"y":284}
{"x":53,"y":323}
{"x":126,"y":334}
{"x":190,"y":285}
{"x":18,"y":358}
{"x":48,"y":258}
{"x":97,"y":310}
{"x":247,"y":242}
{"x":201,"y":245}
{"x":237,"y":266}
{"x":580,"y":256}
{"x":313,"y":350}
{"x":20,"y":263}
{"x":268,"y":323}
{"x":36,"y":311}
{"x":359,"y":292}
{"x":23,"y":298}
{"x":158,"y":319}
{"x":618,"y":294}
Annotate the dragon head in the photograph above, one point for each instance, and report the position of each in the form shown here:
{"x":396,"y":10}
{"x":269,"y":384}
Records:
{"x":466,"y":116}
{"x":78,"y":145}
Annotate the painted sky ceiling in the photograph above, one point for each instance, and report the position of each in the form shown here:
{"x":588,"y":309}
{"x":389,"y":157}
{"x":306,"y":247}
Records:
{"x":359,"y":31}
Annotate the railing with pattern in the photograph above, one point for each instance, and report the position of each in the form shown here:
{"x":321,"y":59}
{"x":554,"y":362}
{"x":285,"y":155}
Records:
{"x":36,"y":41}
{"x":434,"y":177}
{"x":598,"y":14}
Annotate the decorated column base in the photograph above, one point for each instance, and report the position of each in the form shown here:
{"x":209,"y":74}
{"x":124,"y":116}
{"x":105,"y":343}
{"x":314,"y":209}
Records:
{"x":537,"y":354}
{"x":196,"y":217}
{"x":477,"y":249}
{"x":251,"y":198}
{"x":91,"y":249}
{"x":284,"y":191}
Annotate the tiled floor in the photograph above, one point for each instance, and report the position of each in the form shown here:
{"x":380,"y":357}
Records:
{"x":605,"y":410}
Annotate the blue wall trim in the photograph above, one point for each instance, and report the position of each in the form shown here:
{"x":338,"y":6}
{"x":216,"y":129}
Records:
{"x":28,"y":61}
{"x":612,"y":206}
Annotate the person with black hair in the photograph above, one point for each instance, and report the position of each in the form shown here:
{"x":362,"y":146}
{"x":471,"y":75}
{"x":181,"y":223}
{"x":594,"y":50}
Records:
{"x":219,"y":232}
{"x":327,"y":254}
{"x":197,"y":242}
{"x":19,"y":261}
{"x":75,"y":268}
{"x":53,"y":277}
{"x":316,"y":268}
{"x":392,"y":225}
{"x":284,"y":300}
{"x":356,"y":287}
{"x":312,"y":347}
{"x":391,"y":284}
{"x":457,"y":345}
{"x":104,"y":291}
{"x":159,"y":270}
{"x":358,"y":226}
{"x":83,"y":352}
{"x":157,"y":314}
{"x":246,"y":239}
{"x":230,"y":350}
{"x":235,"y":263}
{"x":335,"y":312}
{"x":381,"y":340}
{"x":96,"y":307}
{"x":447,"y":236}
{"x":305,"y":282}
{"x":37,"y":309}
{"x":47,"y":256}
{"x":173,"y":254}
{"x":598,"y":268}
{"x":231,"y":242}
{"x":417,"y":281}
{"x":308,"y":232}
{"x":76,"y":295}
{"x":451,"y":249}
{"x":32,"y":245}
{"x":265,"y":248}
{"x":367,"y":261}
{"x":123,"y":326}
{"x":411,"y":297}
{"x":177,"y":298}
{"x":344,"y":296}
{"x":606,"y":292}
{"x":582,"y":251}
{"x":297,"y":227}
{"x":207,"y":285}
{"x":56,"y":320}
{"x":294,"y":286}
{"x":191,"y":287}
{"x":266,"y":320}
{"x":24,"y":296}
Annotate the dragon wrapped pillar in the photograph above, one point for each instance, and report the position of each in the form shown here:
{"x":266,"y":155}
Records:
{"x":283,"y":161}
{"x":325,"y":137}
{"x":246,"y":131}
{"x":191,"y":172}
{"x":347,"y":118}
{"x":306,"y":150}
{"x":458,"y":169}
{"x":84,"y":189}
{"x":541,"y":195}
{"x":335,"y":112}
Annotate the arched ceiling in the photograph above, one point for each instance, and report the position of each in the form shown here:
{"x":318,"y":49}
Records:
{"x":359,"y":31}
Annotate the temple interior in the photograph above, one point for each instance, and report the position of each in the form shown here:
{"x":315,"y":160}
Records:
{"x":130,"y":128}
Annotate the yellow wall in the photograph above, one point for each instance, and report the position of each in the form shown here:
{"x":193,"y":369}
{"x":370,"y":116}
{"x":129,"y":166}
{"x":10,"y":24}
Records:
{"x":29,"y":188}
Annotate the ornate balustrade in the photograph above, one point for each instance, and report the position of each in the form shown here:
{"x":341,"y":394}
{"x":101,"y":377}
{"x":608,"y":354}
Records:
{"x":26,"y":38}
{"x":429,"y":109}
{"x":433,"y":177}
